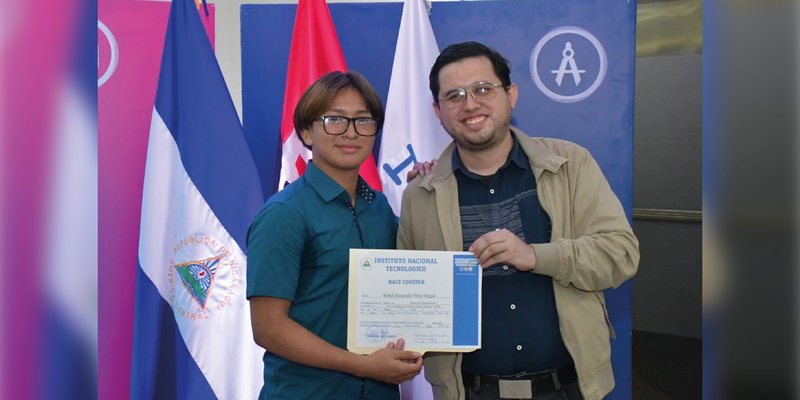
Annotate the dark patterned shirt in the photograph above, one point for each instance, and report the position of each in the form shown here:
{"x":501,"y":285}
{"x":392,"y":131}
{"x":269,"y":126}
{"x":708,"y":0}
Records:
{"x":520,"y":322}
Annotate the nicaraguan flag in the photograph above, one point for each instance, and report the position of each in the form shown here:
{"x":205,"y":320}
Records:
{"x":411,"y":131}
{"x":192,"y":334}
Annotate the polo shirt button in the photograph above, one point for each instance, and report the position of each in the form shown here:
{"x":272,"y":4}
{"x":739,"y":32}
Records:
{"x":519,"y":347}
{"x":513,"y":306}
{"x":505,"y":267}
{"x":491,"y":191}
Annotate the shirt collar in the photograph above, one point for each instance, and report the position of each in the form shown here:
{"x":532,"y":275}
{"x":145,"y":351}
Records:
{"x":541,"y":159}
{"x":329,"y":189}
{"x":516,"y":155}
{"x":364,"y":191}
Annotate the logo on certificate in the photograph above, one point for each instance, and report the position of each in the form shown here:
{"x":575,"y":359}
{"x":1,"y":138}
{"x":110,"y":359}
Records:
{"x":465,"y":264}
{"x":366,"y":264}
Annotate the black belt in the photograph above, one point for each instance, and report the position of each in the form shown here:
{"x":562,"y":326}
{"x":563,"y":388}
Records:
{"x":540,"y":382}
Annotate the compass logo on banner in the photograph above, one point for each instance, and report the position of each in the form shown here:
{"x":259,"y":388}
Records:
{"x":107,"y":53}
{"x":568,"y":64}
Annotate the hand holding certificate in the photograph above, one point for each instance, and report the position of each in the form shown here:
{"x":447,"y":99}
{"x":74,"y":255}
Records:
{"x":431,"y":299}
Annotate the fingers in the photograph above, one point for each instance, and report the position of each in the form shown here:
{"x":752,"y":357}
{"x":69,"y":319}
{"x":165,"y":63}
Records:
{"x":427,"y":166}
{"x":503,"y":246}
{"x":395,"y":353}
{"x":411,"y":368}
{"x":480,"y":246}
{"x":394,"y":366}
{"x":421,"y":169}
{"x":491,"y":255}
{"x":407,"y":355}
{"x":412,"y":174}
{"x":400,"y":344}
{"x":418,"y":362}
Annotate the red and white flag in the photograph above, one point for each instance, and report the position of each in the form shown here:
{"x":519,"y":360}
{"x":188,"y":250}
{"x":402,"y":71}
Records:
{"x":315,"y":51}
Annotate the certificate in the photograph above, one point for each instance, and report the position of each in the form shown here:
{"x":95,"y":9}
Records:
{"x":431,"y":299}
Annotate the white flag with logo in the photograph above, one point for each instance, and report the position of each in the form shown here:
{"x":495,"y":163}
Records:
{"x":411,"y":131}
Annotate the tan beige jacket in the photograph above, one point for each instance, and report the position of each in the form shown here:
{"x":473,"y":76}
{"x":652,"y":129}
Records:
{"x":592,"y":248}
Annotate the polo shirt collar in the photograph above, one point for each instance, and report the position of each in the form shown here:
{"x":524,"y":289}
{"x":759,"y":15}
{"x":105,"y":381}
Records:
{"x":328,"y":189}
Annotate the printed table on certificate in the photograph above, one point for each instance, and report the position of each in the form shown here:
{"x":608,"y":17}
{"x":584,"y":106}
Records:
{"x":431,"y":299}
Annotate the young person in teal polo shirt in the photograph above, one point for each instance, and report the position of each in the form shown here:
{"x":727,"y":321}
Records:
{"x":299,"y":246}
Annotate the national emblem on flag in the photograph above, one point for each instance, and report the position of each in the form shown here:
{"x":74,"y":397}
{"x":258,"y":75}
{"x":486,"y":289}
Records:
{"x":197,"y":277}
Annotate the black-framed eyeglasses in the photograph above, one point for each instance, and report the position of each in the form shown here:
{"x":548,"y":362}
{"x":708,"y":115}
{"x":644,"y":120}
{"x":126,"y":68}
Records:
{"x":481,"y":92}
{"x":338,"y":124}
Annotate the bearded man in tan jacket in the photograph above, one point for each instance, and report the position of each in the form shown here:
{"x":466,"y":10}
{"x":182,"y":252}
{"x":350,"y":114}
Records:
{"x":546,"y":227}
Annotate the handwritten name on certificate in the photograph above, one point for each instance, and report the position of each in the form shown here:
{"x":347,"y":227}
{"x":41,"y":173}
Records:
{"x":431,"y":299}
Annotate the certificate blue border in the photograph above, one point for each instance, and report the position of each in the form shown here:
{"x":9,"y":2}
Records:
{"x":466,"y":311}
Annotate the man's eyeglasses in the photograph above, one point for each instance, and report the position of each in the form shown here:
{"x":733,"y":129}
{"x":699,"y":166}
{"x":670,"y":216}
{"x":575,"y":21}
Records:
{"x":481,"y":92}
{"x":337,"y":125}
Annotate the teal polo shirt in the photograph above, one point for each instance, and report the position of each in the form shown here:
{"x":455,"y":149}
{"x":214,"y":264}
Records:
{"x":298,"y":249}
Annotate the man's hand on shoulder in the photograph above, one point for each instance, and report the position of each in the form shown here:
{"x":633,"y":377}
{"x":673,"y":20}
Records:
{"x":420,"y":169}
